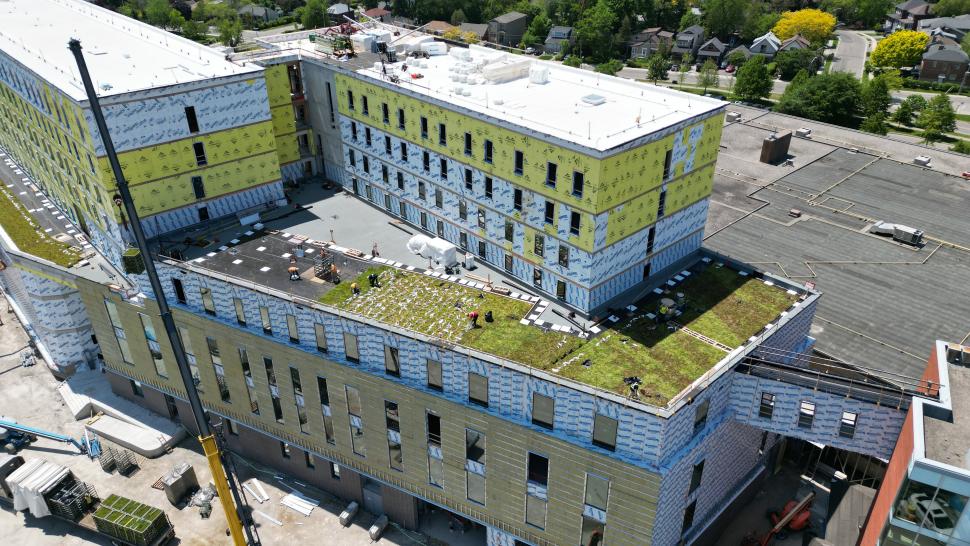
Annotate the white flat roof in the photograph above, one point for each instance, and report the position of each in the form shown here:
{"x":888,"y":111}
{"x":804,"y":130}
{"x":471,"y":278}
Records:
{"x":122,"y":54}
{"x":624,"y":109}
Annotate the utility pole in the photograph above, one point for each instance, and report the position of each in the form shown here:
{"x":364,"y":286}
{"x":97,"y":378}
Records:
{"x":225,"y":485}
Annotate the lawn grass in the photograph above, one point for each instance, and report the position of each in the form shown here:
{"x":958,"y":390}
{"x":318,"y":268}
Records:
{"x":963,"y":117}
{"x":719,"y":303}
{"x":28,"y":237}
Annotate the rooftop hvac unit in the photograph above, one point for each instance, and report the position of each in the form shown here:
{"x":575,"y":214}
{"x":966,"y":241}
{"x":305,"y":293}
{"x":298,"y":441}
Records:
{"x":506,"y":71}
{"x":908,"y":235}
{"x":922,"y":160}
{"x":731,"y":117}
{"x":434,"y":48}
{"x":803,"y":132}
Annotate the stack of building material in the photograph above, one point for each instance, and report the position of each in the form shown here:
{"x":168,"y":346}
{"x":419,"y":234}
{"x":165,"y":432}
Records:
{"x":301,"y":504}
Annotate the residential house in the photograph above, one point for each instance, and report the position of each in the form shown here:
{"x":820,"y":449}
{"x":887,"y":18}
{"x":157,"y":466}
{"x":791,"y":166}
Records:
{"x":377,"y":13}
{"x":944,"y":63}
{"x":508,"y":29}
{"x":958,"y":26}
{"x":688,"y":41}
{"x":712,"y":49}
{"x":648,"y":41}
{"x":557,"y":37}
{"x":767,"y":45}
{"x":480,"y":30}
{"x":338,"y":11}
{"x":795,"y":42}
{"x":261,"y":14}
{"x":438,"y":27}
{"x":906,"y":16}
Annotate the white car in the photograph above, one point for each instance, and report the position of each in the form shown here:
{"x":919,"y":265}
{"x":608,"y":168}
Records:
{"x":931,"y":513}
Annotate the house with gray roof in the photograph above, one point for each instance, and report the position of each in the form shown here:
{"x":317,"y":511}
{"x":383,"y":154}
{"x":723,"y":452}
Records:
{"x":557,"y":37}
{"x":508,"y":29}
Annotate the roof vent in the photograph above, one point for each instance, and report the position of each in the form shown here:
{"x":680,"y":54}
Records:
{"x":594,"y":100}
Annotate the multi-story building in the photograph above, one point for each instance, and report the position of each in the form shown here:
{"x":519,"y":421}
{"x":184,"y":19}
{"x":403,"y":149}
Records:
{"x":194,"y":132}
{"x":923,"y":499}
{"x":584,"y":187}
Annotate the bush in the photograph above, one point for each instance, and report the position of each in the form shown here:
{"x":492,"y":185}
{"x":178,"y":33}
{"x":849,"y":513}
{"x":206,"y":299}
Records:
{"x":951,"y":88}
{"x":961,"y":147}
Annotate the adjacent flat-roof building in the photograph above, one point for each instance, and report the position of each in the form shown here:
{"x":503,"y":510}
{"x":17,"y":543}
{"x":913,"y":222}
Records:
{"x":923,"y":499}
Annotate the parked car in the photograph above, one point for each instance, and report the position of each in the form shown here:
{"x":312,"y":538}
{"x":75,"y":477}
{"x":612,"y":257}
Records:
{"x":717,"y":96}
{"x":675,"y":67}
{"x":931,"y":513}
{"x":724,"y":64}
{"x":530,"y":51}
{"x":730,"y":69}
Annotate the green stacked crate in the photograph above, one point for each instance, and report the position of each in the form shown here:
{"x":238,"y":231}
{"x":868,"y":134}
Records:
{"x":130,"y":521}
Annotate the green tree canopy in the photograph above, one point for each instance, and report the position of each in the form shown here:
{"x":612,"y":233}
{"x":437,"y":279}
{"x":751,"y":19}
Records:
{"x":230,"y":31}
{"x":594,"y":31}
{"x":965,"y":43}
{"x":875,"y":97}
{"x":790,"y":61}
{"x":875,"y":123}
{"x":910,"y":107}
{"x":708,"y":75}
{"x":950,"y":8}
{"x":538,"y":30}
{"x":901,"y":48}
{"x":723,"y":17}
{"x":753,"y":82}
{"x":315,"y":14}
{"x":657,"y":67}
{"x":688,"y":19}
{"x":831,"y":98}
{"x":937,"y":118}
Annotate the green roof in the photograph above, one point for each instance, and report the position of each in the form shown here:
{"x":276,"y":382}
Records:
{"x":28,"y":236}
{"x":721,"y":306}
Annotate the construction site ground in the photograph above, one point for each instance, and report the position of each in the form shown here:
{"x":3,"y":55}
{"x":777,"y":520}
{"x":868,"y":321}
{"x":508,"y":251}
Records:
{"x":29,"y":395}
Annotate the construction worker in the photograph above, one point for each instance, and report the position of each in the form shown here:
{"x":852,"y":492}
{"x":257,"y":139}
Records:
{"x":355,"y":288}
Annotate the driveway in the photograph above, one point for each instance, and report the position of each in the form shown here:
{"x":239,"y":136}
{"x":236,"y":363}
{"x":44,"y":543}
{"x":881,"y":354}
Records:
{"x":850,"y":54}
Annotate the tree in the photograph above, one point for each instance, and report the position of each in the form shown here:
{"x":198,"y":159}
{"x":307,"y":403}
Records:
{"x":753,"y":82}
{"x":758,"y":25}
{"x":800,"y":78}
{"x":193,"y":30}
{"x":458,"y":17}
{"x":790,"y":61}
{"x":230,"y":31}
{"x":157,"y":13}
{"x":875,"y":97}
{"x":315,"y":14}
{"x":875,"y":124}
{"x":950,"y":8}
{"x":736,"y":58}
{"x":814,"y":25}
{"x":723,"y":17}
{"x":831,"y":98}
{"x":911,"y":106}
{"x":901,"y":48}
{"x":470,"y":38}
{"x":610,"y":67}
{"x":937,"y":118}
{"x":685,"y":60}
{"x":965,"y":43}
{"x":594,"y":30}
{"x":689,"y":19}
{"x":657,"y":67}
{"x":708,"y":76}
{"x":538,"y":30}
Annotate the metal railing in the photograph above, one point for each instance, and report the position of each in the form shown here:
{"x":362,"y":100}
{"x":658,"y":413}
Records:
{"x":866,"y":390}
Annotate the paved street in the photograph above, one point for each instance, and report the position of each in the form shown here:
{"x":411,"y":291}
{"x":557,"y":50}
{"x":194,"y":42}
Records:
{"x":850,"y":53}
